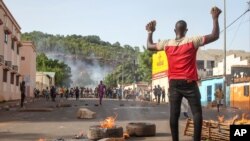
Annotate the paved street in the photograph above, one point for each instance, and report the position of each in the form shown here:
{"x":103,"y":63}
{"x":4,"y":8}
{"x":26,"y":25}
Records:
{"x":62,"y":122}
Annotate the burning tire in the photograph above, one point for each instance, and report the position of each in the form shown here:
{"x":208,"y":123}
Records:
{"x":141,"y":129}
{"x":96,"y":132}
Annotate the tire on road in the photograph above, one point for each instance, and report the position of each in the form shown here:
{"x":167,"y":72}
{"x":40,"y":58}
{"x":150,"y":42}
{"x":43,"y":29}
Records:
{"x":141,"y":129}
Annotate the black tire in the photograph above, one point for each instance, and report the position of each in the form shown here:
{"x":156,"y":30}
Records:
{"x":141,"y":129}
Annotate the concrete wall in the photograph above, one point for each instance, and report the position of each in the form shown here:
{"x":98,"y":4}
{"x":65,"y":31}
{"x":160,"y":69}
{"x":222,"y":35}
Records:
{"x":237,"y":97}
{"x":28,"y":66}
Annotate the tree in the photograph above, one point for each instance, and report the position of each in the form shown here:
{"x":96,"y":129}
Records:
{"x":63,"y":71}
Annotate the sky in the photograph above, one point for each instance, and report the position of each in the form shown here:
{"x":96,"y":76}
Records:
{"x":124,"y":20}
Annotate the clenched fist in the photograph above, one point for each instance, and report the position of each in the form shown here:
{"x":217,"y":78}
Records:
{"x":150,"y":27}
{"x":215,"y":11}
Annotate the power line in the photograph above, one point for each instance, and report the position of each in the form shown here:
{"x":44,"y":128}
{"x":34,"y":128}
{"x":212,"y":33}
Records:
{"x":236,"y":19}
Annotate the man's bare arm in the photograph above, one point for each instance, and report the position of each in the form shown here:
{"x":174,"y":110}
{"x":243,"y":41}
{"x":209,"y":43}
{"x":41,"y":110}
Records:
{"x":150,"y":27}
{"x":216,"y":29}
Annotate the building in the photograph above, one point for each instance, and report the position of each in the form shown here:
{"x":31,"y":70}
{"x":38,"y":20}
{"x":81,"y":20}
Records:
{"x":231,"y":60}
{"x":160,"y":71}
{"x":208,"y":87}
{"x":9,"y":55}
{"x":28,"y":66}
{"x":44,"y":80}
{"x":240,"y":87}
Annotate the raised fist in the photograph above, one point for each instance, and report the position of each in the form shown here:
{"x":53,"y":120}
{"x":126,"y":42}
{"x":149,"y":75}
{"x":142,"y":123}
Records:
{"x":215,"y":11}
{"x":150,"y":27}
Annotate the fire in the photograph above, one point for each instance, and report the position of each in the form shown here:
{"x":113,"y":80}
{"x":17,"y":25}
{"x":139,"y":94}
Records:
{"x":109,"y":122}
{"x":235,"y":120}
{"x":41,"y":139}
{"x":221,"y":118}
{"x":125,"y":135}
{"x":244,"y":119}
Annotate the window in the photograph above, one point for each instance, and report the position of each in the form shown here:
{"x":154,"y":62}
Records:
{"x":17,"y":80}
{"x":22,"y":58}
{"x":12,"y":78}
{"x":246,"y":90}
{"x":6,"y":38}
{"x":200,"y":64}
{"x":210,"y":64}
{"x":12,"y":44}
{"x":5,"y":75}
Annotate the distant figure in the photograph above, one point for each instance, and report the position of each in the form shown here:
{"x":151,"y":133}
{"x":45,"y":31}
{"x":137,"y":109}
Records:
{"x":46,"y":92}
{"x":101,"y":91}
{"x":53,"y":93}
{"x":67,"y":93}
{"x":159,"y":94}
{"x":163,"y":94}
{"x":22,"y":89}
{"x":77,"y":93}
{"x":119,"y":93}
{"x":219,"y":95}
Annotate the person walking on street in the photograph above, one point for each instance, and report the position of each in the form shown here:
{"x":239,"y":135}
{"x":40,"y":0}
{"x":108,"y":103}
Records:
{"x":46,"y":91}
{"x":163,"y":95}
{"x":182,"y":73}
{"x":77,"y":93}
{"x":22,"y":89}
{"x":101,"y":91}
{"x":53,"y":93}
{"x":219,"y":95}
{"x":159,"y":94}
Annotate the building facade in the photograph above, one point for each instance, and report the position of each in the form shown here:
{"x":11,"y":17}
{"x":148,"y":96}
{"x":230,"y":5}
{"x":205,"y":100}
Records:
{"x":28,"y":66}
{"x":9,"y":55}
{"x":208,"y":87}
{"x":44,"y":80}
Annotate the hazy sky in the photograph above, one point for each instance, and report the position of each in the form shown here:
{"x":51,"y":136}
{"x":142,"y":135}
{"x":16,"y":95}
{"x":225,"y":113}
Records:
{"x":125,"y":20}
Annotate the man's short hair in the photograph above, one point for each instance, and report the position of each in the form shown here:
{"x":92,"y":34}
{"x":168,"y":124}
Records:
{"x":182,"y":22}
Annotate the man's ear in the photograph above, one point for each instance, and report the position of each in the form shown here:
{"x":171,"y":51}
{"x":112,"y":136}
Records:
{"x":186,"y":31}
{"x":175,"y":31}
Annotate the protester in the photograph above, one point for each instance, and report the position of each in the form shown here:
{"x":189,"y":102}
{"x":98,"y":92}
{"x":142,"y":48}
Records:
{"x":77,"y":93}
{"x":182,"y":73}
{"x":219,"y":95}
{"x":163,"y":95}
{"x":159,"y":94}
{"x":101,"y":91}
{"x":22,"y":89}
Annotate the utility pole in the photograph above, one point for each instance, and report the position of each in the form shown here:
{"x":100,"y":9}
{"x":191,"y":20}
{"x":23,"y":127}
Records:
{"x":225,"y":56}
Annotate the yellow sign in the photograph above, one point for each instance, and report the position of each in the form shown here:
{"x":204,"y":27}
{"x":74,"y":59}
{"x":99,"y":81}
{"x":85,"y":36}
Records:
{"x":160,"y":62}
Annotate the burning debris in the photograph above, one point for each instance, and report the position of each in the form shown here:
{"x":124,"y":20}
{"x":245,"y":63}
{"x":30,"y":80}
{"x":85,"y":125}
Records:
{"x":109,"y":122}
{"x":41,"y":139}
{"x":217,"y":130}
{"x":106,"y":129}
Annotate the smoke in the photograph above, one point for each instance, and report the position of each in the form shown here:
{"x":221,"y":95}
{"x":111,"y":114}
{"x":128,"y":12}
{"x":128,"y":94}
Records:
{"x":86,"y":72}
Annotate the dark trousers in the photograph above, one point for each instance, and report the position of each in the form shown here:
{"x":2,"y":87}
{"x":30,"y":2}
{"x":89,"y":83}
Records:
{"x":159,"y":98}
{"x":189,"y":90}
{"x":22,"y":99}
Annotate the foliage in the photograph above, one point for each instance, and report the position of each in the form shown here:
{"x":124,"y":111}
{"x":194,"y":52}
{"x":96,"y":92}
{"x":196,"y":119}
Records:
{"x":136,"y":65}
{"x":63,"y":71}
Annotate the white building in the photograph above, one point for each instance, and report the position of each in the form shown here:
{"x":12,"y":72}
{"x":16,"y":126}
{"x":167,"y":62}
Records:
{"x":231,"y":60}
